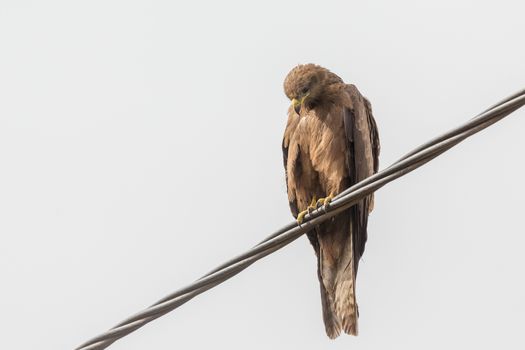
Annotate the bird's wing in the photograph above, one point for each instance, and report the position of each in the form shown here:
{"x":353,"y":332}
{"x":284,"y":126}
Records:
{"x":293,"y":202}
{"x":362,"y":160}
{"x":291,"y":125}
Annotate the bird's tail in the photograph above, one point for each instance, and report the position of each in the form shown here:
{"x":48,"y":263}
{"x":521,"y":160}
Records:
{"x":332,"y":323}
{"x":345,"y":302}
{"x":337,"y":276}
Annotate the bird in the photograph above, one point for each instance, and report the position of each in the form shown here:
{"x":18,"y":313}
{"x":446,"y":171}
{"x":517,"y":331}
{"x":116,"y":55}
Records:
{"x":330,"y":143}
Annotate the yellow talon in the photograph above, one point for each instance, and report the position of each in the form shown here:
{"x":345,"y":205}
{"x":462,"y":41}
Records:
{"x":300,"y":216}
{"x":309,"y":210}
{"x":324,"y":201}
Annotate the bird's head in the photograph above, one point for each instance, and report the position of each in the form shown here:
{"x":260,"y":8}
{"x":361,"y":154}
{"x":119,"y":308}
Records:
{"x":309,"y":85}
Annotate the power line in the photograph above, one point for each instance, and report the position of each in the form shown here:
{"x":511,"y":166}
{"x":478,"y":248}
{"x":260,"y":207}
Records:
{"x":292,"y":231}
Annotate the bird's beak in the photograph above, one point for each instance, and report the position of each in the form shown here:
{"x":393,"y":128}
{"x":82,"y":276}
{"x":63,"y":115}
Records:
{"x":296,"y":105}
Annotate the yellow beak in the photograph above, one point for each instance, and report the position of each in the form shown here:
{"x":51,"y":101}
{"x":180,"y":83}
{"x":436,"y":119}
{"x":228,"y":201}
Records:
{"x":296,"y":105}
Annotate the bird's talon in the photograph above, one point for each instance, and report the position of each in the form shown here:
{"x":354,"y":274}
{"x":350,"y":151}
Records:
{"x":328,"y":200}
{"x":309,"y":210}
{"x":300,"y":217}
{"x":324,"y":202}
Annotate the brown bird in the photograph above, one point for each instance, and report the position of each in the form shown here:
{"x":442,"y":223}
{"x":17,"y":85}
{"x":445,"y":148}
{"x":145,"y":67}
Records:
{"x":330,"y":143}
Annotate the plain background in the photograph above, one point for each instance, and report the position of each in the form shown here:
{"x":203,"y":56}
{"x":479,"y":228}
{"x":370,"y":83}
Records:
{"x":140,"y":146}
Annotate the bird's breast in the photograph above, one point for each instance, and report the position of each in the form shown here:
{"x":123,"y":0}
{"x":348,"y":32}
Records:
{"x":322,"y":140}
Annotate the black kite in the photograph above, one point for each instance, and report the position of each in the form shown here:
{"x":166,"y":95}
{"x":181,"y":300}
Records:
{"x":330,"y":143}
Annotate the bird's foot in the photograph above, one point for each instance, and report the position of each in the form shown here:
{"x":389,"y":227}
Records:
{"x":309,"y":210}
{"x":325,"y":202}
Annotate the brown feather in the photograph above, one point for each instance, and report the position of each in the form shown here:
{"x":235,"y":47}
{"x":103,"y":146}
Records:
{"x":329,"y":145}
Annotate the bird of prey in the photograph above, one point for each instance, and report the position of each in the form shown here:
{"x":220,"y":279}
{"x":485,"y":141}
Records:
{"x":330,"y":143}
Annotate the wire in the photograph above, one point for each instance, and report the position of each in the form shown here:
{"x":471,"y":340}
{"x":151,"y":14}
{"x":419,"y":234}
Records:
{"x":287,"y":234}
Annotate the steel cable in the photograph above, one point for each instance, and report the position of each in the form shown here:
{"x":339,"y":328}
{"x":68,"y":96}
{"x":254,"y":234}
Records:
{"x":292,"y":231}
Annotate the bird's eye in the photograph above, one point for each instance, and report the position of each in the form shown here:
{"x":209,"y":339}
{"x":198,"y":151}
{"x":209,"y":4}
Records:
{"x":304,"y":90}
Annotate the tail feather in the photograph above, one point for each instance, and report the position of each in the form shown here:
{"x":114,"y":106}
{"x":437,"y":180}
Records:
{"x":347,"y":307}
{"x":336,"y":271}
{"x":332,"y":323}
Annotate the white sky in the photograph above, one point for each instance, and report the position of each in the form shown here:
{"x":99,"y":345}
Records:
{"x":140,"y":146}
